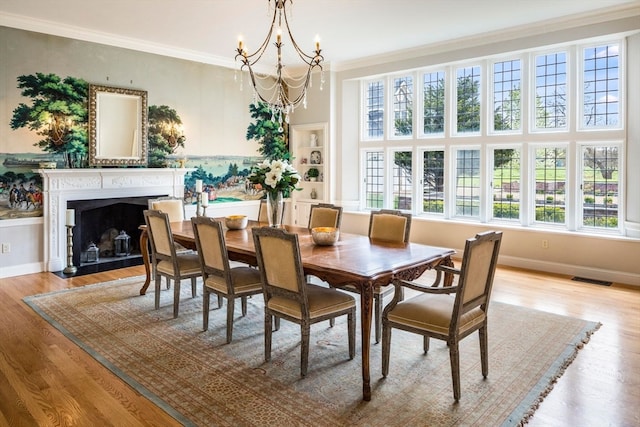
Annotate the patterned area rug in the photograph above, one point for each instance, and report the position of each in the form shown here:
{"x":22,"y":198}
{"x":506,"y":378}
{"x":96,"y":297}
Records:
{"x":200,"y":380}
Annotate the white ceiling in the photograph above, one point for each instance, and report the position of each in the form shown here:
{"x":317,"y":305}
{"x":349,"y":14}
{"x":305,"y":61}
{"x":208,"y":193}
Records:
{"x":350,"y":30}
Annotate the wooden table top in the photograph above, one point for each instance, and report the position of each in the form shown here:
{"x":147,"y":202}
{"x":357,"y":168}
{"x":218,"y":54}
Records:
{"x":354,"y":257}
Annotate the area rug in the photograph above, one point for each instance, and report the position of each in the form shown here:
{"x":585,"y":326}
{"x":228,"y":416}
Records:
{"x":202,"y":381}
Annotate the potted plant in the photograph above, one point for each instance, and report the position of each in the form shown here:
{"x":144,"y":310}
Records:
{"x":313,"y":173}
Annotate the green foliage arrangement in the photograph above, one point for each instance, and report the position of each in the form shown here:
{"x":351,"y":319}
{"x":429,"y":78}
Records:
{"x":268,"y":132}
{"x":58,"y":113}
{"x":165,"y":134}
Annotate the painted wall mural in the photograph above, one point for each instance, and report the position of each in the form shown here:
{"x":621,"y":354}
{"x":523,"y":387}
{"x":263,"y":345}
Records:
{"x":224,"y":180}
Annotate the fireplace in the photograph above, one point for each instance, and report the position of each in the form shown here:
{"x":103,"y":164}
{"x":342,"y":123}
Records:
{"x":100,"y":222}
{"x":99,"y":196}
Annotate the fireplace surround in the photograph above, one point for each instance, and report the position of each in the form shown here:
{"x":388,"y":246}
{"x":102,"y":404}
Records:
{"x":66,"y":188}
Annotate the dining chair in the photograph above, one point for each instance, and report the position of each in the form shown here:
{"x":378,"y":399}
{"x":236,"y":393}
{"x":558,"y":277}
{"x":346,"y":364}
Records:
{"x":287,"y":295}
{"x":325,"y":215}
{"x":165,"y":259}
{"x":174,"y":207}
{"x":435,"y":313}
{"x":385,"y":225}
{"x":218,"y":276}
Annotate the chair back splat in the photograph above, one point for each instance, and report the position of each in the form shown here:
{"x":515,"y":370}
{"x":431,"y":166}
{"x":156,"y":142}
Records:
{"x":325,"y":215}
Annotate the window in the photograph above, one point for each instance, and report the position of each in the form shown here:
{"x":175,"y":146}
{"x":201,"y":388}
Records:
{"x":374,"y":121}
{"x":402,"y":185}
{"x":551,"y":91}
{"x":433,"y":169}
{"x":433,"y":89}
{"x":506,"y":184}
{"x":467,"y":183}
{"x":520,"y":152}
{"x":374,"y":179}
{"x":403,"y":106}
{"x":550,"y":183}
{"x":468,"y":97}
{"x":506,"y":96}
{"x":600,"y":183}
{"x":601,"y":87}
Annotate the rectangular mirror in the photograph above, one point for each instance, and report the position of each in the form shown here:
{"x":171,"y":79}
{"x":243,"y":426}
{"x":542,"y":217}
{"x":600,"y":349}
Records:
{"x":117,"y":126}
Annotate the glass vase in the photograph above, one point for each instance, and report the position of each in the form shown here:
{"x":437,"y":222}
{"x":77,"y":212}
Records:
{"x":275,"y":206}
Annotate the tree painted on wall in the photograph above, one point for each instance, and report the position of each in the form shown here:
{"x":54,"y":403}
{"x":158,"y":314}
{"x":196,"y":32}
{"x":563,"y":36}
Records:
{"x":58,"y":113}
{"x":165,"y":134}
{"x":266,"y":130}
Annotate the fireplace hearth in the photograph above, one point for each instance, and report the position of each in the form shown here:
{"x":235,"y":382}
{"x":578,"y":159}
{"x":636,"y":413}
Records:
{"x":101,"y":221}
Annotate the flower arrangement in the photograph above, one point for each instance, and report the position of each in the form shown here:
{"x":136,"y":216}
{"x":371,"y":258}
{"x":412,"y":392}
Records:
{"x":275,"y":176}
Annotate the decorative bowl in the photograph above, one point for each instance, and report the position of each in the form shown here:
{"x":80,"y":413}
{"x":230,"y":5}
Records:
{"x":236,"y":222}
{"x":325,"y":236}
{"x":48,"y":165}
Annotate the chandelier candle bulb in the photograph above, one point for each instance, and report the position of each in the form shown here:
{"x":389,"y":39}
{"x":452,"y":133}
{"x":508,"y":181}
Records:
{"x":71,"y":218}
{"x":198,"y":186}
{"x":205,"y":199}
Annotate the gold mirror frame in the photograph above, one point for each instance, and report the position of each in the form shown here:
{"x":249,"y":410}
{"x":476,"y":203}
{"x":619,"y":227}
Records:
{"x":118,"y":126}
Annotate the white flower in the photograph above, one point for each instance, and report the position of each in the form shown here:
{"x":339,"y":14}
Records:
{"x":272,"y":178}
{"x":278,"y":166}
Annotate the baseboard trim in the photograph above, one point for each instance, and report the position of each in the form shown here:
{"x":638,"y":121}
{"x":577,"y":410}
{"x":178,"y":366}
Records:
{"x":572,"y":270}
{"x":19,"y":270}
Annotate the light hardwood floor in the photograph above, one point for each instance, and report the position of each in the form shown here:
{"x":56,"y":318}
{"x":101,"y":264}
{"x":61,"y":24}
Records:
{"x":46,"y":380}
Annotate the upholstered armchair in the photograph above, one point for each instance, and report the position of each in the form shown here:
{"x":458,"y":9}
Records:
{"x":448,"y":313}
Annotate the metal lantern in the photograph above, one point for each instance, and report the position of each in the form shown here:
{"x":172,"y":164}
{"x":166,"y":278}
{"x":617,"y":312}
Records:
{"x":123,"y":244}
{"x":93,"y":253}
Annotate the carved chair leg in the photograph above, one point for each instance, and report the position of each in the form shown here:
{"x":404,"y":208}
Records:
{"x":304,"y":350}
{"x":455,"y":369}
{"x":176,"y":298}
{"x":425,"y":344}
{"x":158,"y":279}
{"x":194,"y":290}
{"x":267,"y":336}
{"x":220,"y":298}
{"x":386,"y":348}
{"x":351,"y":324}
{"x":230,"y":307}
{"x":378,"y":316}
{"x":484,"y":351}
{"x":205,"y":309}
{"x":243,"y":301}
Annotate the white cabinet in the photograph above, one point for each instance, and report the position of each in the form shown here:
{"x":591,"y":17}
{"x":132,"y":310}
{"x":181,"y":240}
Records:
{"x":311,"y":157}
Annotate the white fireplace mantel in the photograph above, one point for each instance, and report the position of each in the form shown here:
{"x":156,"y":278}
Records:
{"x":63,"y":185}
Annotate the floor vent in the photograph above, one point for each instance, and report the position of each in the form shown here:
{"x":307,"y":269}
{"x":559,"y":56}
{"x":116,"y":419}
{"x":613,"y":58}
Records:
{"x":592,"y":281}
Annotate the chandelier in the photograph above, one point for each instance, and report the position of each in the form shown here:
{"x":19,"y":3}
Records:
{"x":287,"y":91}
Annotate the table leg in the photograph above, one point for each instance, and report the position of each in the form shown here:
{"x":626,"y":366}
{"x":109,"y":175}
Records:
{"x":144,"y":250}
{"x":366,"y":304}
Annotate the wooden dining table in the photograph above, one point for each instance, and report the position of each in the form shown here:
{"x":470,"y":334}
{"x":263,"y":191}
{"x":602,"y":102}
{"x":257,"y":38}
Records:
{"x":353,"y":260}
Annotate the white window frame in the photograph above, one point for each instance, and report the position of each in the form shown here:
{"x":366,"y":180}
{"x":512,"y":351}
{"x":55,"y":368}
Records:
{"x":580,"y":85}
{"x":580,"y":190}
